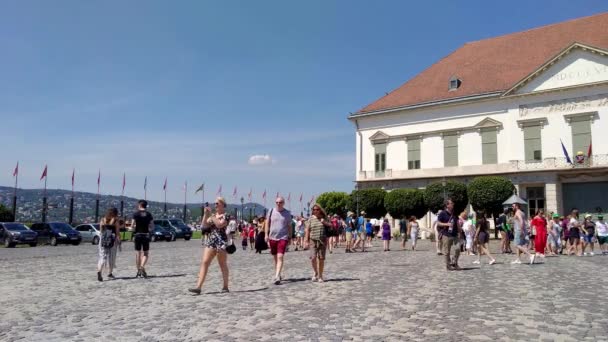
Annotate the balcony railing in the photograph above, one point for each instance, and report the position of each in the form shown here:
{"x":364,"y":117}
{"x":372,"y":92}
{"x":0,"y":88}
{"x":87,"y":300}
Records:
{"x":597,"y":160}
{"x":561,"y":163}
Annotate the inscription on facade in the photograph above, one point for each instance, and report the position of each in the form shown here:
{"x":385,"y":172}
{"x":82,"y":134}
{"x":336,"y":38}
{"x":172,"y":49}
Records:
{"x":564,"y":106}
{"x":580,"y":74}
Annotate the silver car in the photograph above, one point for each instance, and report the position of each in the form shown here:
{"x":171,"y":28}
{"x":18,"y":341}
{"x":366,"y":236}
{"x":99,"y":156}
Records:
{"x":89,"y":232}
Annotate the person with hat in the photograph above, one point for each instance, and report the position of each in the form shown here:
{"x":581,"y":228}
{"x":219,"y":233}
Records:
{"x":588,"y":234}
{"x":601,"y":232}
{"x":553,"y":238}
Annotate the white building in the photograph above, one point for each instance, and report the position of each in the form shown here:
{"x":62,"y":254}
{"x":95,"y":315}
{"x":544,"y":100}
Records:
{"x":500,"y":106}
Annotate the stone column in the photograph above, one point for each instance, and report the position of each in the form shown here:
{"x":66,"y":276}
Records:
{"x":551,"y":197}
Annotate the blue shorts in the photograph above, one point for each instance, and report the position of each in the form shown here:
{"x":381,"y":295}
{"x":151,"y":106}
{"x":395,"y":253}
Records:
{"x":588,"y":238}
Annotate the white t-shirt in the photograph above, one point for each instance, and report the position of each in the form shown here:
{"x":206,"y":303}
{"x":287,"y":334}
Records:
{"x":573,"y":222}
{"x":602,"y":228}
{"x":467,"y":228}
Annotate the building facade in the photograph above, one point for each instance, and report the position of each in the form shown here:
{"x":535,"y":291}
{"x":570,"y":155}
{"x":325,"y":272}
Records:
{"x":530,"y":106}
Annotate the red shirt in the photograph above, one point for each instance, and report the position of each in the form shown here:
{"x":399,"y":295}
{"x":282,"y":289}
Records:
{"x":539,"y":223}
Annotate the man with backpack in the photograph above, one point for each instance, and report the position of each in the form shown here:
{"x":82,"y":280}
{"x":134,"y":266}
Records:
{"x":144,"y":225}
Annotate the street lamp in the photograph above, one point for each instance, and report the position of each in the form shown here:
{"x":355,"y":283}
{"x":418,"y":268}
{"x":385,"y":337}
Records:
{"x":443,"y":187}
{"x":242,"y":202}
{"x":308,"y":211}
{"x":357,"y":198}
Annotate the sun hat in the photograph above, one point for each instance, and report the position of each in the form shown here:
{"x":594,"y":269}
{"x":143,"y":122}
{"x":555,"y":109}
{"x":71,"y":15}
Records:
{"x":588,"y":216}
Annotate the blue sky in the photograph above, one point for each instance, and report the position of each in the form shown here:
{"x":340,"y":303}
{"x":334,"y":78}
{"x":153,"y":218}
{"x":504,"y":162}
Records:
{"x":191,"y":90}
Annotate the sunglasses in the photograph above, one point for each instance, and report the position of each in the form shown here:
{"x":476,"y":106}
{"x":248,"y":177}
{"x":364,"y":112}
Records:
{"x":280,"y":202}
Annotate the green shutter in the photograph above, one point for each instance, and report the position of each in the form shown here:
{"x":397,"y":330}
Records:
{"x":581,"y":134}
{"x":413,"y":153}
{"x":489,"y":153}
{"x":380,"y":157}
{"x":532,"y":143}
{"x":450,"y":150}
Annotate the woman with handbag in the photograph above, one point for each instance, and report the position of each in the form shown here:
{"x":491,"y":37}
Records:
{"x":214,"y":225}
{"x":109,"y":242}
{"x":316,"y":239}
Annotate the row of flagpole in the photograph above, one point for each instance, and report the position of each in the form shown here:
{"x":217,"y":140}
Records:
{"x":200,"y":189}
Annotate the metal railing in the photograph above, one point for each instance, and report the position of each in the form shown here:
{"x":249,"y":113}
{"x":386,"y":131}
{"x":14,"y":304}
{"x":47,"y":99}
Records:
{"x":596,"y":160}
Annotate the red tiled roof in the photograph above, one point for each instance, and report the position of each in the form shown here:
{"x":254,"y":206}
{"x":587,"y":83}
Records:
{"x":495,"y":64}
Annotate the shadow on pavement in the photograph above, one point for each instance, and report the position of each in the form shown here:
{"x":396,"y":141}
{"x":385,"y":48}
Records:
{"x":399,"y":265}
{"x":341,"y":279}
{"x":239,"y":291}
{"x":153,"y":276}
{"x":295,"y":280}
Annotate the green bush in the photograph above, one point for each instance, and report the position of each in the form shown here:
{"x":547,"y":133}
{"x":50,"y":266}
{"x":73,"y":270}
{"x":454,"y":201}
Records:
{"x":433,"y":196}
{"x":6,"y":215}
{"x":488,"y":192}
{"x":370,"y":200}
{"x":405,"y":203}
{"x":334,"y":202}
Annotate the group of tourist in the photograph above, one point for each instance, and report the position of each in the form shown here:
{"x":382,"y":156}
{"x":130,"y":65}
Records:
{"x":470,"y":233}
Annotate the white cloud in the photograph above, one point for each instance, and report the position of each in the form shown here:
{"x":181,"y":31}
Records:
{"x":261,"y":159}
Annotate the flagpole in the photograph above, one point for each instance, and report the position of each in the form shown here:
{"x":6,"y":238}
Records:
{"x":97,"y":199}
{"x":146,"y":189}
{"x":185,"y":200}
{"x":44,"y":204}
{"x":71,"y":216}
{"x":15,"y":194}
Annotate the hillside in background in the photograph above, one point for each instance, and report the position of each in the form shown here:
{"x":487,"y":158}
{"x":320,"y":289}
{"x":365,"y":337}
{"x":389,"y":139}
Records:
{"x":29,"y":206}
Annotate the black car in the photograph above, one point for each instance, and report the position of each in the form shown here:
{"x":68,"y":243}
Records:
{"x":161,"y":233}
{"x":13,"y":234}
{"x":179,"y":229}
{"x":55,"y":233}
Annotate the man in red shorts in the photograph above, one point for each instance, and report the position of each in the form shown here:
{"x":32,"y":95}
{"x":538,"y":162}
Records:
{"x":277,"y":228}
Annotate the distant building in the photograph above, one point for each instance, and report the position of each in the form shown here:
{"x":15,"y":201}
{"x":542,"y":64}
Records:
{"x":500,"y":106}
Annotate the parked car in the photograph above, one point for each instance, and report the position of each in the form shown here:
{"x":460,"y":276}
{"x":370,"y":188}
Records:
{"x":13,"y":234}
{"x":179,"y":229}
{"x":55,"y":233}
{"x":161,"y":233}
{"x":89,"y":232}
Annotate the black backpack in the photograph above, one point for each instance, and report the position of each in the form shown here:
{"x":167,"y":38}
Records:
{"x":107,"y":238}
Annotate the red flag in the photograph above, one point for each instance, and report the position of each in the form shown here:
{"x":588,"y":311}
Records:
{"x":219,"y":191}
{"x":16,"y":172}
{"x":165,"y":185}
{"x":264,"y":194}
{"x":589,"y":151}
{"x":234,"y":192}
{"x":249,"y":194}
{"x":301,"y":196}
{"x":44,"y":173}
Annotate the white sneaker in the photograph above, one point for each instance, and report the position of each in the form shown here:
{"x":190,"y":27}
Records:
{"x":476,"y":262}
{"x":591,"y":254}
{"x":585,"y":254}
{"x":314,"y":279}
{"x":492,"y":262}
{"x":532,"y":257}
{"x":516,"y":261}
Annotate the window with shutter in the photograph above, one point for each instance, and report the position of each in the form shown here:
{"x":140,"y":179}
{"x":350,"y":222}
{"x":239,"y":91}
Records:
{"x":489,"y":154}
{"x":380,"y":159}
{"x":413,"y":154}
{"x":450,"y":149}
{"x":581,"y":134}
{"x":532,"y":143}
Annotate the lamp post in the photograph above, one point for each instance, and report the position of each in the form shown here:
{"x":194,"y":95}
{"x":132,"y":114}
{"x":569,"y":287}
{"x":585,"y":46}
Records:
{"x":357,"y":198}
{"x":443,"y":187}
{"x":308,"y":210}
{"x":242,"y":208}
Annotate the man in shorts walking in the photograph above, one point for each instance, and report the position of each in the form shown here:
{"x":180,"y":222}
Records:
{"x":143,"y":225}
{"x":277,"y":230}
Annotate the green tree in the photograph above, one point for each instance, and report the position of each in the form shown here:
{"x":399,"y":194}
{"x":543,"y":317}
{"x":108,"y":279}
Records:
{"x":405,"y":202}
{"x":488,"y":192}
{"x":334,"y":202}
{"x":434,"y":196}
{"x":6,"y":215}
{"x":370,"y":200}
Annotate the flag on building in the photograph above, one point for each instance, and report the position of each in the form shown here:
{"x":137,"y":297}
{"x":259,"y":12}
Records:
{"x":566,"y":153}
{"x":200,"y":188}
{"x":44,"y":173}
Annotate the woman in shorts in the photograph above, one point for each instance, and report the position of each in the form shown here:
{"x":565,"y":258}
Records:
{"x":316,"y":240}
{"x":482,"y":239}
{"x":215,"y":245}
{"x":601,"y":231}
{"x":588,"y":234}
{"x":574,"y":234}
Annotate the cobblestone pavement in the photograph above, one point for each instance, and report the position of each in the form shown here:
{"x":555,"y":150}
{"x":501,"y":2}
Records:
{"x":51,"y":294}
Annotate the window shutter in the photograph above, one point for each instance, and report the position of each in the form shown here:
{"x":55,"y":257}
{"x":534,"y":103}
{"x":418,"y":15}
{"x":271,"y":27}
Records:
{"x":581,"y":135}
{"x":413,"y":153}
{"x":450,"y":150}
{"x":532,"y":143}
{"x":489,"y":153}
